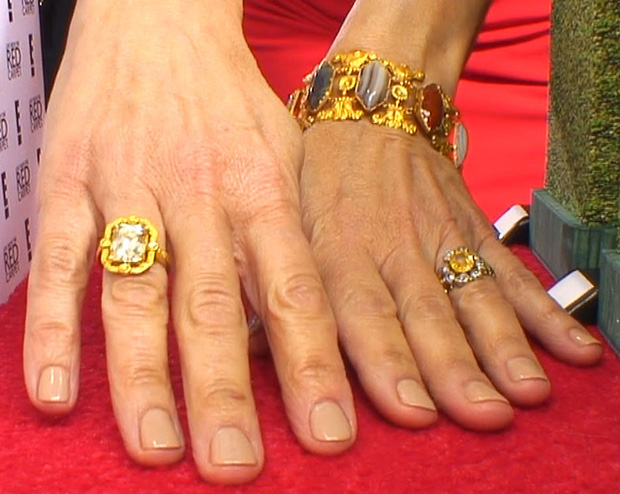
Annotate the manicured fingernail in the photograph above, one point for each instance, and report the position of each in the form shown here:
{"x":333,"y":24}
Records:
{"x":412,"y":394}
{"x":230,"y":446}
{"x":523,"y":368}
{"x":157,"y":430}
{"x":582,"y":337}
{"x":53,"y":385}
{"x":329,"y":423}
{"x":479,"y":392}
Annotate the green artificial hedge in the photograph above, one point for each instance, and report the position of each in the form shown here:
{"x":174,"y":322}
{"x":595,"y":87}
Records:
{"x":584,"y":123}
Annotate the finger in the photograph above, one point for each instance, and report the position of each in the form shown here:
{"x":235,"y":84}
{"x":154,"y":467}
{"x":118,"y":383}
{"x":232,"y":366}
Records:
{"x":372,"y":335}
{"x":448,"y":366}
{"x":56,"y":286}
{"x":135,"y":316}
{"x":540,"y":315}
{"x":489,"y":321}
{"x":213,"y":342}
{"x":301,"y":331}
{"x":543,"y":318}
{"x":498,"y":341}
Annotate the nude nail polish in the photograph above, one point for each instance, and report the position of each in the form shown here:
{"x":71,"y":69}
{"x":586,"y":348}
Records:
{"x":411,"y":393}
{"x":53,"y":385}
{"x":582,"y":337}
{"x":157,"y":430}
{"x":523,"y":368}
{"x":480,"y":392}
{"x":230,"y":446}
{"x":328,"y":422}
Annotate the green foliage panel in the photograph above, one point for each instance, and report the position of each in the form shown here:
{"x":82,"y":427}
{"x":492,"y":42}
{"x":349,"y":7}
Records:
{"x":584,"y":123}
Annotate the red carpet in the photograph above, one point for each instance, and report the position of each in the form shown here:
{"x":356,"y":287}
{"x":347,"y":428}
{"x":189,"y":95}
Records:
{"x":570,"y":445}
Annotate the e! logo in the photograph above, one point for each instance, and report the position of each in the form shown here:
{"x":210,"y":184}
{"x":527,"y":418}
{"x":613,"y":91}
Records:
{"x":18,"y":125}
{"x":31,"y":46}
{"x":13,"y":60}
{"x":11,"y":259}
{"x":5,"y":195}
{"x":28,"y":240}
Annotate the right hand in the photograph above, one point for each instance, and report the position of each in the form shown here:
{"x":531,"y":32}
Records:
{"x":160,"y":111}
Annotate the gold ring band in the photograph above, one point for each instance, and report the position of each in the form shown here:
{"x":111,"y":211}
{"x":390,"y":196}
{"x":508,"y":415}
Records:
{"x":130,"y":246}
{"x":462,"y":266}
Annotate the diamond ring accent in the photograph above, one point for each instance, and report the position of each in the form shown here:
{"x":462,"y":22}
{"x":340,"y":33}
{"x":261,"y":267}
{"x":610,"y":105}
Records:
{"x":462,"y":266}
{"x":129,"y":246}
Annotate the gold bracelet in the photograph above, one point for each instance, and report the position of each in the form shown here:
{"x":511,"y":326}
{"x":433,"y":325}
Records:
{"x":359,"y":84}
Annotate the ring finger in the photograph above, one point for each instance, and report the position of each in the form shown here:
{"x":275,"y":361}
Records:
{"x":135,"y":317}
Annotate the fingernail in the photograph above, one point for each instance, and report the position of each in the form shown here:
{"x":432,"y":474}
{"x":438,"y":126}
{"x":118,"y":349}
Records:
{"x":412,"y":394}
{"x":53,"y":385}
{"x":230,"y":446}
{"x":582,"y":337}
{"x":479,"y":392}
{"x":157,"y":430}
{"x":329,"y":423}
{"x":523,"y":368}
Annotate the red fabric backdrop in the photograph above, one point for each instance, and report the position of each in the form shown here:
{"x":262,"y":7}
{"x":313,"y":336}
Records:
{"x":570,"y":445}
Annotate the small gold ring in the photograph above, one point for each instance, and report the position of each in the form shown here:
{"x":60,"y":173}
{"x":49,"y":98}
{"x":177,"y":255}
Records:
{"x":462,"y":266}
{"x":129,"y":246}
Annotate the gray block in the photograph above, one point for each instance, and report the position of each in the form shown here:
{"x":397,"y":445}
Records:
{"x":609,"y":298}
{"x":561,"y":241}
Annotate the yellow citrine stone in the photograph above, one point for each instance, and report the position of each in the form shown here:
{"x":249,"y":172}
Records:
{"x":462,"y":261}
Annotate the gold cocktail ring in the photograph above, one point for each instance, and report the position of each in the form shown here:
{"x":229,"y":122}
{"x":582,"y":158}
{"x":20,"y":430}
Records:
{"x":129,"y":246}
{"x":462,"y":266}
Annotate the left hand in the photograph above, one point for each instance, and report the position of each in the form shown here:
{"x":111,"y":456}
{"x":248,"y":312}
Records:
{"x":380,"y":209}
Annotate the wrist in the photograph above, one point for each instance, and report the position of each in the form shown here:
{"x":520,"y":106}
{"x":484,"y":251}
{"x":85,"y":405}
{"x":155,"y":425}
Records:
{"x":430,"y":35}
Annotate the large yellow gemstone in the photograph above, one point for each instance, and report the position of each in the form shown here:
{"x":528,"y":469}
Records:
{"x":462,"y":261}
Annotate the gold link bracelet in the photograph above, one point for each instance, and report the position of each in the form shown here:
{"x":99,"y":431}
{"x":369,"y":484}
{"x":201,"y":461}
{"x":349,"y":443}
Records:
{"x":360,"y":85}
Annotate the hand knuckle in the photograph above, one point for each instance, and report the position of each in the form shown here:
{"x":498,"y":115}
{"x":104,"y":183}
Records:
{"x":370,"y":301}
{"x":54,"y":336}
{"x":297,"y":293}
{"x":313,"y":370}
{"x":143,"y":371}
{"x":60,"y":262}
{"x":476,"y":294}
{"x":222,"y":394}
{"x":520,"y":280}
{"x":427,"y":306}
{"x":136,"y":295}
{"x":391,"y":357}
{"x":212,"y":303}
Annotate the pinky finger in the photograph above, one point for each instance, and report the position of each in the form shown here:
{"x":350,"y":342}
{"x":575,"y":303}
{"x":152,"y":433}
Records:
{"x":539,"y":314}
{"x":56,"y":287}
